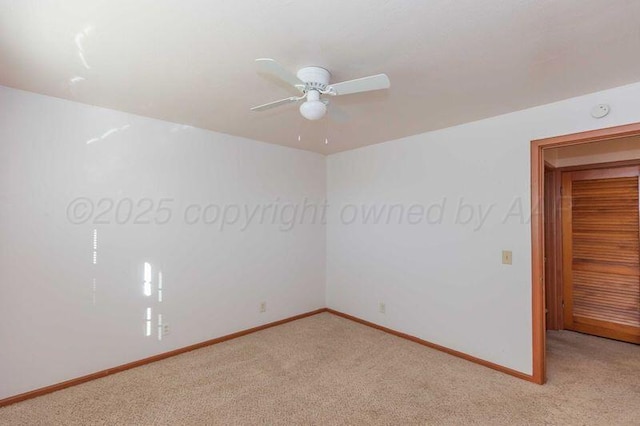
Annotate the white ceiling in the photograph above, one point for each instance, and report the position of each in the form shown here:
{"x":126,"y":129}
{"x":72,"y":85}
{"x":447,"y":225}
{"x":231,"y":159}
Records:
{"x":191,"y":61}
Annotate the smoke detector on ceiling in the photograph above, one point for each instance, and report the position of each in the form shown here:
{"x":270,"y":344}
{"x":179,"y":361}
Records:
{"x":600,"y":111}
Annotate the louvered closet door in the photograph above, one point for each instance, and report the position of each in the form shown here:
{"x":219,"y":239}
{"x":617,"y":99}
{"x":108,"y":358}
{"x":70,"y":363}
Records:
{"x":601,"y":252}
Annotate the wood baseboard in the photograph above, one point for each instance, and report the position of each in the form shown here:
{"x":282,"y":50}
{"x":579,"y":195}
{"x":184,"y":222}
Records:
{"x":79,"y":380}
{"x":103,"y":373}
{"x":462,"y":355}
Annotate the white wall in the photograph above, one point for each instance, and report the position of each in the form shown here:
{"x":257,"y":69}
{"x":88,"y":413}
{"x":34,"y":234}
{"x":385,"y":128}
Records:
{"x":56,"y":324}
{"x":442,"y":282}
{"x":445,"y":282}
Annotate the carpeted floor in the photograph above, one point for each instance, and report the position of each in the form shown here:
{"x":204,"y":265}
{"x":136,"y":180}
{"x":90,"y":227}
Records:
{"x":329,"y":370}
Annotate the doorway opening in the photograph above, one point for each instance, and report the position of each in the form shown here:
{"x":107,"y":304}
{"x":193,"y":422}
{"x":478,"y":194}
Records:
{"x":577,"y":178}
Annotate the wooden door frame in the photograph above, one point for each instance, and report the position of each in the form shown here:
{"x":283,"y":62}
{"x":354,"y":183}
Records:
{"x":553,"y":264}
{"x":537,"y":228}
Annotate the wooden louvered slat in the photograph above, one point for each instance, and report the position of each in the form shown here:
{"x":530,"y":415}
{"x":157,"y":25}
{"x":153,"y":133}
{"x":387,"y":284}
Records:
{"x":601,"y":244}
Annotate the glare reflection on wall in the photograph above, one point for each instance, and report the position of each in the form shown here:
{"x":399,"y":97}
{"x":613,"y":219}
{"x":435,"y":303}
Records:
{"x":148,"y":323}
{"x":95,"y":246}
{"x":95,"y":262}
{"x":147,"y":279}
{"x":147,"y":290}
{"x":160,"y":331}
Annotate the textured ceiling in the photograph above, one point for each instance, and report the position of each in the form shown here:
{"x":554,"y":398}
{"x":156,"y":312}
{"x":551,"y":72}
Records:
{"x":191,"y":62}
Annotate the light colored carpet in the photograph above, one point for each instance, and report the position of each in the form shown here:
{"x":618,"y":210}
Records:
{"x":329,"y":370}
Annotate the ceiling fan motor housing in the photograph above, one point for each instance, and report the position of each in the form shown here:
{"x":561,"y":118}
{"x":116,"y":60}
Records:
{"x":315,"y":78}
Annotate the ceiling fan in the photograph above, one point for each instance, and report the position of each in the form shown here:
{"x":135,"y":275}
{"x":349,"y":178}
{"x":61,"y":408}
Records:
{"x":312,"y":82}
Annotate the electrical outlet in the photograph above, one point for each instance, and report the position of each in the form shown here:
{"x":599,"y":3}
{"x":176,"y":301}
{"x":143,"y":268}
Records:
{"x":165,"y":329}
{"x":263,"y":307}
{"x":507,"y":257}
{"x":382,"y":308}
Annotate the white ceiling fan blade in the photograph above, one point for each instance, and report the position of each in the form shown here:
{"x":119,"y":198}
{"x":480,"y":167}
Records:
{"x":275,"y":104}
{"x":271,"y":67}
{"x":364,"y":84}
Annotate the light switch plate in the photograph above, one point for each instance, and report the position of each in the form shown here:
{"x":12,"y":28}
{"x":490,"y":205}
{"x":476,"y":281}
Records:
{"x":507,"y":257}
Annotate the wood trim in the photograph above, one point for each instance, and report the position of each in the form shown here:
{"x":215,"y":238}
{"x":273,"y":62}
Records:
{"x":553,"y":268}
{"x":598,"y":135}
{"x":609,"y":165}
{"x":537,"y":259}
{"x":118,"y":369}
{"x":613,"y":173}
{"x":453,"y":352}
{"x":604,"y":324}
{"x":537,"y":227}
{"x":79,"y":380}
{"x":618,"y":332}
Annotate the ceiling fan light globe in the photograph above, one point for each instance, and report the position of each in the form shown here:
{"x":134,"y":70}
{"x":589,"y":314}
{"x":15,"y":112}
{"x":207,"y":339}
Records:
{"x":313,"y":110}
